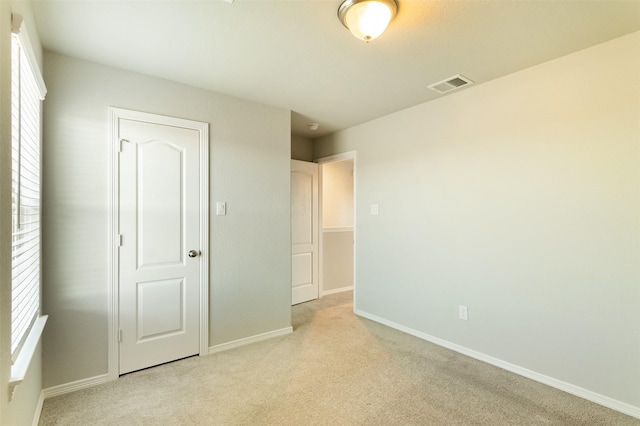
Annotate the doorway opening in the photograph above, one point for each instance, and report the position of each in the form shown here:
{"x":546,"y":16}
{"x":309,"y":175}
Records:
{"x":337,"y":238}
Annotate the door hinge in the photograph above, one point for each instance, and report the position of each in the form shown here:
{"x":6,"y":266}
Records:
{"x":119,"y":240}
{"x":120,"y":335}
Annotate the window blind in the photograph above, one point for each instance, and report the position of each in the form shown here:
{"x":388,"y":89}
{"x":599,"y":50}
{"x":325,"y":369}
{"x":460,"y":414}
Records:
{"x":25,"y":200}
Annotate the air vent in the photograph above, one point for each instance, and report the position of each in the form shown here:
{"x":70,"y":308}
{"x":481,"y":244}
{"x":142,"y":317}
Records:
{"x":451,"y":83}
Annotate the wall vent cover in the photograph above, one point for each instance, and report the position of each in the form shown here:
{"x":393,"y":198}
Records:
{"x":451,"y":83}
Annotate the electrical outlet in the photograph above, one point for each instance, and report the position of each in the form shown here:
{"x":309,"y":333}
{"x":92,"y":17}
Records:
{"x":462,"y":312}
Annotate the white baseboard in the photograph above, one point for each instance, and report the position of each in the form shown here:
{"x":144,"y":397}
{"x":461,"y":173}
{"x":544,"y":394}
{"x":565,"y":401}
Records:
{"x":104,"y":378}
{"x":614,"y":404}
{"x":248,"y":340}
{"x":337,"y":290}
{"x":36,"y":416}
{"x":74,"y":386}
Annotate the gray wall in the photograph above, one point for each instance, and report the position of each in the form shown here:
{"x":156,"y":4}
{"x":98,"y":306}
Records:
{"x":5,"y":208}
{"x":337,"y":260}
{"x":22,"y":409}
{"x":519,"y":198}
{"x":250,"y":247}
{"x":301,"y":148}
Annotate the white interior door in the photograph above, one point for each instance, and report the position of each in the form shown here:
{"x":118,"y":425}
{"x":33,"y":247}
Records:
{"x":159,"y":279}
{"x":304,"y":231}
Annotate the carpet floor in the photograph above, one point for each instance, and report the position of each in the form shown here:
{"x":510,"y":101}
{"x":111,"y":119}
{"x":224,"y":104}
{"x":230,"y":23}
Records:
{"x":334,"y":369}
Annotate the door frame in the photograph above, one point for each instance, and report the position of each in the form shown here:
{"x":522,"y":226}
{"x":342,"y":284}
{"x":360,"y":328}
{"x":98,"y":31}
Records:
{"x":113,"y":308}
{"x":349,"y":155}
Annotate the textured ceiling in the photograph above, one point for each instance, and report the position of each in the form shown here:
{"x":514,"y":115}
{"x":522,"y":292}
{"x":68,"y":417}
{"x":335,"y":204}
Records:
{"x":297,"y":55}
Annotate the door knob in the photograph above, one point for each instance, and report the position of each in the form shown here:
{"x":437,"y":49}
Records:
{"x":193,"y":253}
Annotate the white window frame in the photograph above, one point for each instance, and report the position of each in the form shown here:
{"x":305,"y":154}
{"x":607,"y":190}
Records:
{"x":27,"y":323}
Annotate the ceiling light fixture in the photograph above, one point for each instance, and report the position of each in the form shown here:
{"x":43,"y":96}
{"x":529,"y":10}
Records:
{"x":367,"y":19}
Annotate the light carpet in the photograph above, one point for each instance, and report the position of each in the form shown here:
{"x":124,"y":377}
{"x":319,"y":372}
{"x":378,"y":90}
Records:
{"x":334,"y":369}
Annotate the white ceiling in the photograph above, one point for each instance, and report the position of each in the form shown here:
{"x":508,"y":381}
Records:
{"x":297,"y":55}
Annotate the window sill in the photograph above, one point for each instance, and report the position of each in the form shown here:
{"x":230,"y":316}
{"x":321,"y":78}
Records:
{"x":21,"y":364}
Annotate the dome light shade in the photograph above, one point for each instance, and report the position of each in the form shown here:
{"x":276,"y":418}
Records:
{"x":367,"y":19}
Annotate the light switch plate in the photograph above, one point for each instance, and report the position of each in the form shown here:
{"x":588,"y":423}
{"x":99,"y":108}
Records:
{"x":221,"y":208}
{"x":374,"y":209}
{"x":463,"y":313}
